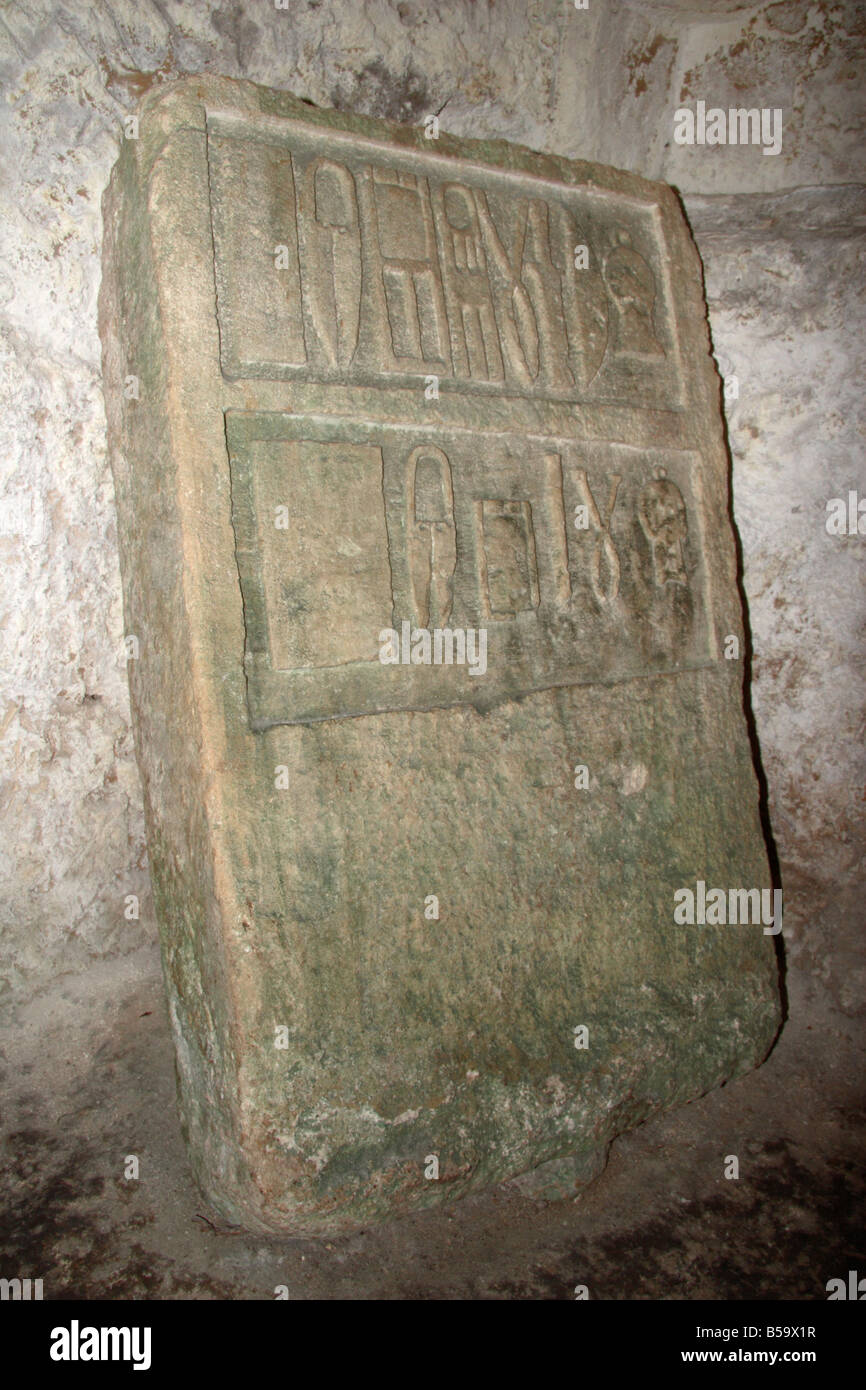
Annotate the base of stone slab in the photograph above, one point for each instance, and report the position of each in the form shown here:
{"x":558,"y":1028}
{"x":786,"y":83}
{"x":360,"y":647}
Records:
{"x":561,"y":1178}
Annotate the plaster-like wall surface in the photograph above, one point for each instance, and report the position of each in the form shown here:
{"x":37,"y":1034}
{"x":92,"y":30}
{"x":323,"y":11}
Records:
{"x":784,"y":283}
{"x":786,"y":287}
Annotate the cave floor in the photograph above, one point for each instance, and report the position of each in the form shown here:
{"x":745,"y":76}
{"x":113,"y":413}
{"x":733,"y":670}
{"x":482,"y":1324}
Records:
{"x":88,"y":1077}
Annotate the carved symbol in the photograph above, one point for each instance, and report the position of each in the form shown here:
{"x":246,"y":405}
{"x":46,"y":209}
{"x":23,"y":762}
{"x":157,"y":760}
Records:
{"x":633,"y":289}
{"x":432,"y":541}
{"x":333,"y":254}
{"x":510,"y":579}
{"x":604,"y":571}
{"x":412,"y":292}
{"x":474,"y":340}
{"x":518,"y":331}
{"x":553,"y":508}
{"x":527,"y":293}
{"x":465,"y":237}
{"x":545,"y":291}
{"x":584,"y":299}
{"x":662,"y":515}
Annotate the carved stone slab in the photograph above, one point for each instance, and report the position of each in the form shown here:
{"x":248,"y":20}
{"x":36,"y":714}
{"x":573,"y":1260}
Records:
{"x":423,"y":509}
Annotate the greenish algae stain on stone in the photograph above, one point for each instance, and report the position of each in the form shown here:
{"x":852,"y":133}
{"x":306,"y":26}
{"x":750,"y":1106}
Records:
{"x":391,"y":339}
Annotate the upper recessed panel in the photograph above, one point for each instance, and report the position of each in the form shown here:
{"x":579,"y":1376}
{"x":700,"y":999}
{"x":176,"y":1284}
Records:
{"x":342,"y":259}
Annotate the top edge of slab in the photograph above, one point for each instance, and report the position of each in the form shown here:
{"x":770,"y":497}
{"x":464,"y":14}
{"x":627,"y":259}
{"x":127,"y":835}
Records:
{"x":190,"y":101}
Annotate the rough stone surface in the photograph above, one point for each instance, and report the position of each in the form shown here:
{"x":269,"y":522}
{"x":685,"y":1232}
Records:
{"x":565,"y":494}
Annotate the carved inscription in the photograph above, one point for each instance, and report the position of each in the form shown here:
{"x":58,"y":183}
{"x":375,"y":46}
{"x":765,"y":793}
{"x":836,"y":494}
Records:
{"x":604,"y":569}
{"x":584,"y":562}
{"x":404,"y":251}
{"x":431,"y":535}
{"x":664,"y":522}
{"x":344,"y":262}
{"x":633,"y":292}
{"x":331,"y":252}
{"x":388,"y":272}
{"x":509,"y":583}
